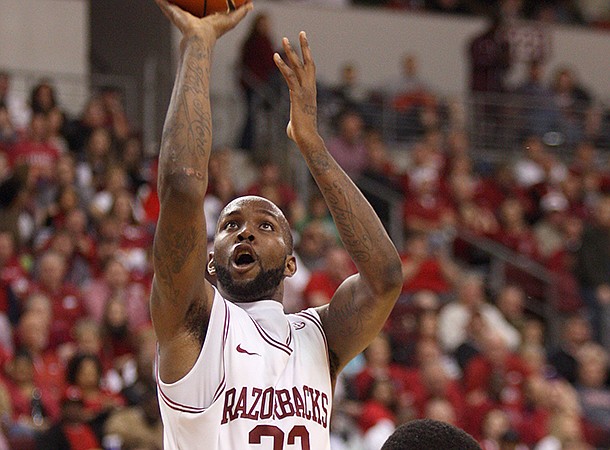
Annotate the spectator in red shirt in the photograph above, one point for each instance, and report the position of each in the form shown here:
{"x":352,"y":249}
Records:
{"x":34,"y":406}
{"x":32,"y":335}
{"x":495,"y":378}
{"x":35,"y":151}
{"x":115,"y":282}
{"x":66,"y":300}
{"x":71,"y":432}
{"x":324,"y":282}
{"x":426,"y":210}
{"x":425,"y":267}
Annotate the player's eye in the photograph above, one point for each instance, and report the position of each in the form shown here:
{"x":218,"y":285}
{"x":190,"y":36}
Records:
{"x":230,"y":225}
{"x":267,"y":226}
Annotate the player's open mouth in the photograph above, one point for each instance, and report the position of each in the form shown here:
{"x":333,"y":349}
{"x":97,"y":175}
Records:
{"x":243,"y":258}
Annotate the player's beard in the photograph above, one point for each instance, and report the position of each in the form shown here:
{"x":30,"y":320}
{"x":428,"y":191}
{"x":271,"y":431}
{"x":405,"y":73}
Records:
{"x":260,"y":288}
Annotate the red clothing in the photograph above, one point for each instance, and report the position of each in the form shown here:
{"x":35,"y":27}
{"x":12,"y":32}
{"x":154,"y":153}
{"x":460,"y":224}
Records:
{"x":13,"y":274}
{"x":429,"y":276}
{"x":372,"y":412}
{"x":68,"y":308}
{"x":22,"y":403}
{"x":38,"y":156}
{"x":80,"y":436}
{"x":319,"y":281}
{"x":430,"y":210}
{"x":402,"y":379}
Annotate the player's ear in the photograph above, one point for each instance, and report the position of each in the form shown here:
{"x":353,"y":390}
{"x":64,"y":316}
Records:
{"x":211,"y":266}
{"x":291,"y":266}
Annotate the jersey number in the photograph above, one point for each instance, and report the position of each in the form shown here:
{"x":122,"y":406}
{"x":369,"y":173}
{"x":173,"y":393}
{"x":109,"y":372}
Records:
{"x":298,"y":431}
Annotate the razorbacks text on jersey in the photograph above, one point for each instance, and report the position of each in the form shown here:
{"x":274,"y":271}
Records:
{"x":261,"y":382}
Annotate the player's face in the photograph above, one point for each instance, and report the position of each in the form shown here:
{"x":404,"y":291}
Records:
{"x":250,"y":250}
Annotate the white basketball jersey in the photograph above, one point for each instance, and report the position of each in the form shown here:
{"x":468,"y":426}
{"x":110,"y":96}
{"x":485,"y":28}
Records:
{"x":261,"y":382}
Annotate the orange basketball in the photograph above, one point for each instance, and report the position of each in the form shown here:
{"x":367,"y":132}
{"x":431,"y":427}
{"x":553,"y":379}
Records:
{"x":201,"y":8}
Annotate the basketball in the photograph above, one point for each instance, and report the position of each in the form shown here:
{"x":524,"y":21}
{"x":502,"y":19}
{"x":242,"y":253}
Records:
{"x":202,"y":8}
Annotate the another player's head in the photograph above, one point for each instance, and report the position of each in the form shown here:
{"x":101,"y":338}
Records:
{"x":425,"y":434}
{"x":252,"y":250}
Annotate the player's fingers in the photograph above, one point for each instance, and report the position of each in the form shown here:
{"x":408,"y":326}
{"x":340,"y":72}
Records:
{"x":306,"y":51}
{"x":174,"y":13}
{"x":293,"y":59}
{"x":286,"y":71}
{"x":238,"y":14}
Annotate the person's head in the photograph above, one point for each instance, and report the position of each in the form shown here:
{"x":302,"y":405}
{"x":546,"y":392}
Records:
{"x":116,"y":274}
{"x":253,"y":250}
{"x":425,"y":434}
{"x":261,"y":24}
{"x":52,"y":270}
{"x":39,"y":305}
{"x":33,"y":332}
{"x":440,"y":409}
{"x":337,"y":263}
{"x":592,"y":365}
{"x":42,"y":97}
{"x":87,"y":335}
{"x":378,"y":353}
{"x":84,"y":371}
{"x":511,"y":302}
{"x":471,"y":289}
{"x":20,"y":368}
{"x":350,"y":125}
{"x":576,"y":331}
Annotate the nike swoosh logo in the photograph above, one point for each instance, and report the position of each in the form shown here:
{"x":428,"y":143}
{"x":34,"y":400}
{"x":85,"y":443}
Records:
{"x":240,"y":349}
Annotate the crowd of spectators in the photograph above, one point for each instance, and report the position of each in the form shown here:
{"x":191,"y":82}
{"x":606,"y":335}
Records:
{"x":78,"y":207}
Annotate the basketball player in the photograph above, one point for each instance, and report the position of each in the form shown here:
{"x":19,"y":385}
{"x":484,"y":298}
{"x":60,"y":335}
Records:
{"x":235,"y":372}
{"x":425,"y":434}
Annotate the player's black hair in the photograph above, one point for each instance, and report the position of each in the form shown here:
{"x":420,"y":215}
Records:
{"x":428,"y":434}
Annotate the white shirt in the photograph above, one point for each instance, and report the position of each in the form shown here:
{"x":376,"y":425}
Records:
{"x":261,"y":381}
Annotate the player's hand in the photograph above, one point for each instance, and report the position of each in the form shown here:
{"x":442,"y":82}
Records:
{"x":214,"y":25}
{"x":300,"y":76}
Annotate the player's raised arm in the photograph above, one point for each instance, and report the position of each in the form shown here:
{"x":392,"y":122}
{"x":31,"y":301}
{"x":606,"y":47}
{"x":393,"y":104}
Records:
{"x":363,"y":302}
{"x":180,"y":245}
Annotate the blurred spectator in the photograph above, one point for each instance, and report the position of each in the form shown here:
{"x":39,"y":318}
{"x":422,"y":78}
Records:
{"x":115,"y":283}
{"x":379,"y":179}
{"x":270,"y":185}
{"x":84,"y":372}
{"x":536,"y":103}
{"x":66,"y":301}
{"x":573,"y":101}
{"x":116,"y":120}
{"x":138,"y":426}
{"x":510,"y":301}
{"x":427,"y":266}
{"x":312,"y":244}
{"x":347,"y":145}
{"x":448,"y":6}
{"x":378,"y":416}
{"x":119,"y":339}
{"x":57,"y":121}
{"x":13,"y":275}
{"x":410,"y":98}
{"x":79,"y":131}
{"x":34,"y":407}
{"x":494,"y":379}
{"x":425,"y":209}
{"x":8,"y":133}
{"x":17,"y":107}
{"x":131,"y":156}
{"x":471,"y":298}
{"x":593,"y":392}
{"x":258,"y":75}
{"x":35,"y":151}
{"x":575,"y":333}
{"x":347,"y":93}
{"x":32,"y":336}
{"x":489,"y":59}
{"x":72,"y":431}
{"x":97,"y":156}
{"x":548,"y":230}
{"x":592,"y":260}
{"x":564,"y":433}
{"x":379,"y":366}
{"x":324,"y":282}
{"x":43,"y":97}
